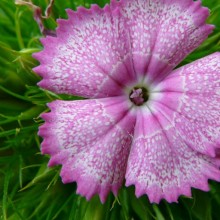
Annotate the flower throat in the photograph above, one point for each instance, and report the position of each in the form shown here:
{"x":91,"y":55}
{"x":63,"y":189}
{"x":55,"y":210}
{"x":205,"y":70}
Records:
{"x":139,"y":95}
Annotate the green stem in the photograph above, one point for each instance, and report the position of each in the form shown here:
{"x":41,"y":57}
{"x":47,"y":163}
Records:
{"x":215,"y":9}
{"x":158,"y":213}
{"x":13,"y":94}
{"x":18,"y":30}
{"x":5,"y":195}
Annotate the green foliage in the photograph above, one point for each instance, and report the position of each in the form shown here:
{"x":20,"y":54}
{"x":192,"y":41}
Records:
{"x":30,"y":190}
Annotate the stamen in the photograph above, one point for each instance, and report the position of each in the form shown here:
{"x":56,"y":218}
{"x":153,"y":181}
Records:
{"x":139,"y":95}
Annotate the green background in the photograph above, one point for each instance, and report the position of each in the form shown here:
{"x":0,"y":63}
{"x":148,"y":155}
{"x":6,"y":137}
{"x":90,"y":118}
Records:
{"x":28,"y":189}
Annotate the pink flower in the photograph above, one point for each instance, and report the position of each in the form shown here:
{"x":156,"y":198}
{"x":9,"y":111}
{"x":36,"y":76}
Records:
{"x":156,"y":126}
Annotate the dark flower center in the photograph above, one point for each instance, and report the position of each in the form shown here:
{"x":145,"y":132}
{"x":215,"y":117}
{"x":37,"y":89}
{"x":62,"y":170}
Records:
{"x":139,"y":95}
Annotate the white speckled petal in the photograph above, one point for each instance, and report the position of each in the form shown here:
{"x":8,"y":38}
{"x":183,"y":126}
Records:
{"x":190,"y":98}
{"x":90,"y":55}
{"x":97,"y":52}
{"x":161,"y":164}
{"x":163,"y":32}
{"x":91,"y":139}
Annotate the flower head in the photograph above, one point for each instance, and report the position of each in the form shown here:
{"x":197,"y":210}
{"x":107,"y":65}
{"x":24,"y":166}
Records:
{"x":144,"y":121}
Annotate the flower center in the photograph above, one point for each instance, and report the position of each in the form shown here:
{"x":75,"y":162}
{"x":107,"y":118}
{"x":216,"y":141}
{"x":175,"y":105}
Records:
{"x":139,"y":95}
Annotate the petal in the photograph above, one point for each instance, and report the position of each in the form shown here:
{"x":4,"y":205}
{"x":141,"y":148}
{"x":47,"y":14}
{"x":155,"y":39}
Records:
{"x":89,"y":57}
{"x":190,"y":98}
{"x":163,"y":32}
{"x":91,"y":139}
{"x":161,"y":164}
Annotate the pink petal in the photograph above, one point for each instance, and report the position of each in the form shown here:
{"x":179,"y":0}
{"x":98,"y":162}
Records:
{"x":89,"y":56}
{"x":91,"y":139}
{"x":97,"y":52}
{"x":190,"y":98}
{"x":163,"y":32}
{"x":161,"y":164}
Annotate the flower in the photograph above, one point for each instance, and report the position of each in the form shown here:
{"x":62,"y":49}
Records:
{"x":156,"y":126}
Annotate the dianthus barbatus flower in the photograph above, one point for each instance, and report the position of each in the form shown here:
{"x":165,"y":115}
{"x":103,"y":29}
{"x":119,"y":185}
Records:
{"x":156,"y":127}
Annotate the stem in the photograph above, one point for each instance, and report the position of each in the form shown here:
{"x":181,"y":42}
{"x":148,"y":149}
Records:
{"x":13,"y":94}
{"x":5,"y":195}
{"x":18,"y":30}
